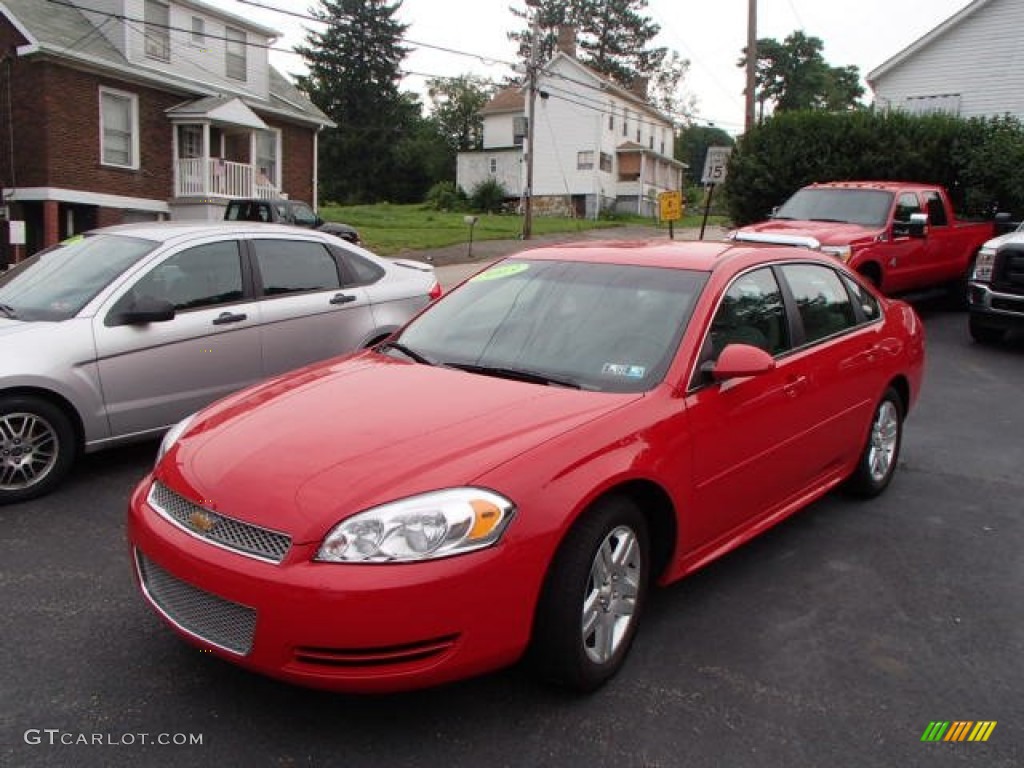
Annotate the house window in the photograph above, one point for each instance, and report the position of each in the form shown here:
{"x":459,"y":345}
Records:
{"x":606,"y":162}
{"x":611,"y":121}
{"x":190,"y":141}
{"x":625,"y":121}
{"x":585,"y":160}
{"x":158,"y":32}
{"x":198,"y":31}
{"x":520,"y":125}
{"x":638,"y":134}
{"x":492,"y":165}
{"x":119,"y":128}
{"x":235,"y":53}
{"x":650,"y":141}
{"x":266,"y":158}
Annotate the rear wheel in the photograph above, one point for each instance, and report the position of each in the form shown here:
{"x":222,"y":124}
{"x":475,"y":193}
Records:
{"x":881,"y":454}
{"x":37,"y":447}
{"x":592,"y":599}
{"x":984,"y":334}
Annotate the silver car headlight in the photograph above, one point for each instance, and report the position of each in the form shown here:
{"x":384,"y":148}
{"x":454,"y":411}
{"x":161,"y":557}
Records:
{"x":982,"y":271}
{"x":841,"y":252}
{"x":424,"y":527}
{"x":172,"y":436}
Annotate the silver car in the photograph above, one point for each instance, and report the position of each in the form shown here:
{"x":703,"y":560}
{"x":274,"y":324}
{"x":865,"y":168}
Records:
{"x":118,"y":334}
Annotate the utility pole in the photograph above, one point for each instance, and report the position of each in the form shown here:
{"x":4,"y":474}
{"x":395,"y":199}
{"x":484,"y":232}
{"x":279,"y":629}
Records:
{"x":531,"y":73}
{"x":751,"y":63}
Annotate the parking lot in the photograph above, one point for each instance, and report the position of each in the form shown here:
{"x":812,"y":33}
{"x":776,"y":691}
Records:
{"x":832,"y":640}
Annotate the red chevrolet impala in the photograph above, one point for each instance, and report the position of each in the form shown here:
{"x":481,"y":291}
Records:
{"x":511,"y":473}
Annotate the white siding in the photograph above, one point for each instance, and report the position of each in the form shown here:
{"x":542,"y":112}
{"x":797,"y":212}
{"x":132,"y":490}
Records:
{"x":978,"y":63}
{"x":499,"y":130}
{"x":205,"y":63}
{"x":474,"y":167}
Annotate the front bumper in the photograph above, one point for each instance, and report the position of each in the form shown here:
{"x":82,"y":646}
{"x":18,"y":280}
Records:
{"x":995,"y":309}
{"x":355,"y":628}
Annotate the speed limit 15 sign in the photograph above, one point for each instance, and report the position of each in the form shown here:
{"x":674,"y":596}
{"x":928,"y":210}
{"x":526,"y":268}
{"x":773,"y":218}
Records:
{"x":715,"y":164}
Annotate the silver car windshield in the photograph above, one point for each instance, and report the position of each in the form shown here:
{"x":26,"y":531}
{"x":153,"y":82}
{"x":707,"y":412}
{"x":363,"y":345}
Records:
{"x":56,"y":283}
{"x":603,"y":327}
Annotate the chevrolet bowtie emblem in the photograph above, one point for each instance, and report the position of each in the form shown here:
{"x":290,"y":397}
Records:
{"x":202,"y":522}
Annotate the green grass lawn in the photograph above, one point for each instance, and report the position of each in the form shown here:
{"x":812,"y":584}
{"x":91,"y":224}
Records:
{"x":389,"y":229}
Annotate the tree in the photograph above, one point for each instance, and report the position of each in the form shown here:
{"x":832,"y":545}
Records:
{"x":692,"y":148}
{"x":793,"y":75}
{"x":457,"y":102}
{"x":611,"y":35}
{"x":353,"y":78}
{"x":665,"y":91}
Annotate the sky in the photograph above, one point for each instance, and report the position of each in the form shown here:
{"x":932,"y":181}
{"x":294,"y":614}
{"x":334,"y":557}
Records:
{"x":709,"y":33}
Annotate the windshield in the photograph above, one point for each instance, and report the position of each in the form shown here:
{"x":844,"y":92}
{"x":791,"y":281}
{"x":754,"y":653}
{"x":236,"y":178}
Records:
{"x":56,"y":283}
{"x":867,"y":207}
{"x":605,"y":327}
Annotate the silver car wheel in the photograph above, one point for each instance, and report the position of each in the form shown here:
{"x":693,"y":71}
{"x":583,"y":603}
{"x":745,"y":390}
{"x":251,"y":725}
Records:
{"x":29,"y":447}
{"x":610,"y":602}
{"x":885,"y":432}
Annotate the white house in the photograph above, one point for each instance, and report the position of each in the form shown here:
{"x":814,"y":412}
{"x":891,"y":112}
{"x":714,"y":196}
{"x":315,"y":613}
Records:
{"x":597,"y":146}
{"x":971,"y":65}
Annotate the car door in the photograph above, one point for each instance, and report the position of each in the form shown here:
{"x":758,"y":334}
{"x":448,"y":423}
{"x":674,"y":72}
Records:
{"x":156,"y":373}
{"x":309,"y":309}
{"x":906,"y":256}
{"x":747,"y":447}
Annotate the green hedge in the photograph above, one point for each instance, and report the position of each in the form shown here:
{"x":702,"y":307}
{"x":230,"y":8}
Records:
{"x":979,"y":160}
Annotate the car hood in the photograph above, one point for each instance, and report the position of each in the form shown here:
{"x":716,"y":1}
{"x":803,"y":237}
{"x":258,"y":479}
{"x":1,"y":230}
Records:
{"x":302,"y":452}
{"x":9,"y":327}
{"x":825,"y":232}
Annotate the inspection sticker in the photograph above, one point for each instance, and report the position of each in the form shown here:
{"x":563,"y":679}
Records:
{"x":623,"y":369}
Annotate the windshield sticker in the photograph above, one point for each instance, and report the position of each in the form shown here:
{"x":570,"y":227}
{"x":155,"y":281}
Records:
{"x":624,"y":369}
{"x":506,"y":270}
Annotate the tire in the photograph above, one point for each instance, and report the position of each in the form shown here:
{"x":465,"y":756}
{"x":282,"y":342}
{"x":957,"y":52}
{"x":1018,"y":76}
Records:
{"x":593,"y":597}
{"x":37,"y":447}
{"x":984,"y":334}
{"x":881,"y":453}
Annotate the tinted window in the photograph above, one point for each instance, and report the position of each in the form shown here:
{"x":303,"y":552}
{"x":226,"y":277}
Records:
{"x":304,"y":215}
{"x":936,"y":210}
{"x":751,"y":312}
{"x":862,"y":297}
{"x":363,"y":270}
{"x":821,"y":299}
{"x":869,"y":207}
{"x":291,"y":266}
{"x":204,"y":276}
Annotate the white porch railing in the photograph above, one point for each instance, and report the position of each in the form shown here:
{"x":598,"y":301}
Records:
{"x":213,"y":177}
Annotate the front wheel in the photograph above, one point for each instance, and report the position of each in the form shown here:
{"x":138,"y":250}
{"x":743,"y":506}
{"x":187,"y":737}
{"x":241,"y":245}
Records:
{"x":592,"y":599}
{"x":881,"y":453}
{"x":37,"y":447}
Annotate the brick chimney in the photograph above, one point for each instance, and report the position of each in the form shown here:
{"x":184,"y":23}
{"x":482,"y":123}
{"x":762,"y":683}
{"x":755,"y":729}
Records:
{"x":639,"y":87}
{"x":567,"y":40}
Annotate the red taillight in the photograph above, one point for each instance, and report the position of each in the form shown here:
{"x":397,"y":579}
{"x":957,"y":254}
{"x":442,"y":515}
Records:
{"x":435,"y":291}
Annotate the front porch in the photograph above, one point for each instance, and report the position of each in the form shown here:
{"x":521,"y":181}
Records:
{"x":217,"y":177}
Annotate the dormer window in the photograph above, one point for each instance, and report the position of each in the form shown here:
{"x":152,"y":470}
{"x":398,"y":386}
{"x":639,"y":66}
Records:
{"x":235,"y":50}
{"x":158,"y":32}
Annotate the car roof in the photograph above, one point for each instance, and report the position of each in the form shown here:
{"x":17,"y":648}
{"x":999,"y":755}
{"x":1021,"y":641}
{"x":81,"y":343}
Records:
{"x":885,"y":186}
{"x":165,"y":231}
{"x":696,"y":255}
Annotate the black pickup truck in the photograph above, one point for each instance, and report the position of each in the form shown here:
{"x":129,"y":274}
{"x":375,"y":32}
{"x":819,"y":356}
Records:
{"x":283,"y":211}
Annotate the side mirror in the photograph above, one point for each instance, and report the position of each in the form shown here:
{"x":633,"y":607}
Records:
{"x":918,"y":226}
{"x":739,"y":360}
{"x":145,"y":309}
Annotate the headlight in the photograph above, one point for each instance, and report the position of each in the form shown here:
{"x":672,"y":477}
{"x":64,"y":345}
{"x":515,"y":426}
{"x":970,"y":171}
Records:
{"x":433,"y":525}
{"x":172,"y":436}
{"x":983,"y":265}
{"x":841,"y":252}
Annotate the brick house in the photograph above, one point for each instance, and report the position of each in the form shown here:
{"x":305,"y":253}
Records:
{"x":597,"y":146}
{"x":129,"y":110}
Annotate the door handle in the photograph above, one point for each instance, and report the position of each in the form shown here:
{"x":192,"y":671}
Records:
{"x":342,"y":298}
{"x":227,"y":317}
{"x":795,"y":386}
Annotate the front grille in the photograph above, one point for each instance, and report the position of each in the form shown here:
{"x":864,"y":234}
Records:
{"x":228,"y":625}
{"x":1008,"y":270}
{"x":233,"y":534}
{"x":376,"y":657}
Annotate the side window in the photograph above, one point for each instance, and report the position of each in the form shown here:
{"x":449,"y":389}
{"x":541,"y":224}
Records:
{"x":752,"y":312}
{"x":936,"y":210}
{"x":293,"y":266}
{"x":821,"y":299}
{"x":906,"y":205}
{"x":363,"y":270}
{"x":204,"y":276}
{"x":304,"y":216}
{"x":868,"y":304}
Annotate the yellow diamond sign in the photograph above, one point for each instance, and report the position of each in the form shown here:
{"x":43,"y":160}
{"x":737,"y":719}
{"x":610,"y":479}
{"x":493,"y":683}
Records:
{"x":670,"y":206}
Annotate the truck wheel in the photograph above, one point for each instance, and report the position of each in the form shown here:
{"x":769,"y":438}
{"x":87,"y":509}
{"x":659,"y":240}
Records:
{"x":37,"y":447}
{"x":592,"y":598}
{"x":881,"y":452}
{"x":872,"y":274}
{"x":984,"y":334}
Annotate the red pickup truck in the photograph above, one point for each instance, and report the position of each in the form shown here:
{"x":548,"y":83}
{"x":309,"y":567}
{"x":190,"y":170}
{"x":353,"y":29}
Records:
{"x":902,"y":236}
